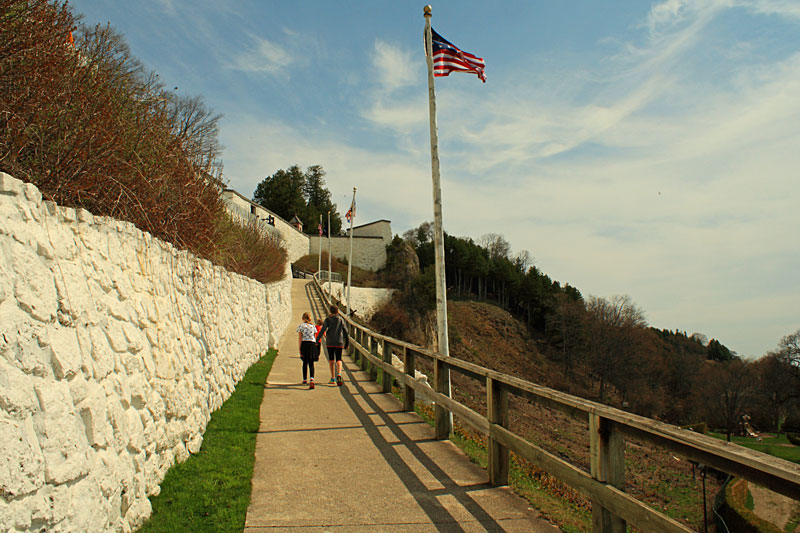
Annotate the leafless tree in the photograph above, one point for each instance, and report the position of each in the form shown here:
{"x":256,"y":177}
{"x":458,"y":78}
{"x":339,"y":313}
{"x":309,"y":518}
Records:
{"x":613,"y":333}
{"x":727,"y":389}
{"x":777,"y":389}
{"x":196,"y":128}
{"x":565,"y":326}
{"x":496,"y":244}
{"x":419,"y":235}
{"x":523,"y":260}
{"x":789,"y":349}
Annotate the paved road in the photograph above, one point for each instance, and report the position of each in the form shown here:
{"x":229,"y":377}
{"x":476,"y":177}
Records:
{"x":348,"y":459}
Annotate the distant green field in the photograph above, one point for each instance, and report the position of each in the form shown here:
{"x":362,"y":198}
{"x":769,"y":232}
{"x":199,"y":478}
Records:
{"x":778,"y":446}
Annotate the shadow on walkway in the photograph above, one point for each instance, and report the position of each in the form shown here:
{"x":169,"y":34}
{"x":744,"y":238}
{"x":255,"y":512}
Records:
{"x":427,"y":498}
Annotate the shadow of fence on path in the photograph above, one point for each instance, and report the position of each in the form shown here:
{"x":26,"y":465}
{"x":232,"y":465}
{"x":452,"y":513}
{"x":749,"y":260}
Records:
{"x":427,"y":498}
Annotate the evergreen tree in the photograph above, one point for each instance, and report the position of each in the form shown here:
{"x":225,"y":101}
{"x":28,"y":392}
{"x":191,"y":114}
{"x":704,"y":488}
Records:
{"x":294,"y":192}
{"x":717,"y":351}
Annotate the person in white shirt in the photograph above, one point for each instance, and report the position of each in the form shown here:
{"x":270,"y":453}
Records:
{"x":307,"y":344}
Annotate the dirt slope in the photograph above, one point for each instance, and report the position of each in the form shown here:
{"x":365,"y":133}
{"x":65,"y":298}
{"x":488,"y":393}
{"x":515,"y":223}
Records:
{"x":486,"y":335}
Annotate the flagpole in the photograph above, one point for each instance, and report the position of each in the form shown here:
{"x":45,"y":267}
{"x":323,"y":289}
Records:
{"x":319,"y":232}
{"x":444,"y":419}
{"x":330,"y":284}
{"x":350,"y":260}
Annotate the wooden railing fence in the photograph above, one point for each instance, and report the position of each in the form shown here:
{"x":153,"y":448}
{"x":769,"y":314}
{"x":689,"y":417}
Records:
{"x":609,"y":428}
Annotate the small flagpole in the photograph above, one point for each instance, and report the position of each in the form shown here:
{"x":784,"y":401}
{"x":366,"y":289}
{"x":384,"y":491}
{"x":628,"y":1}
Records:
{"x":330,"y":274}
{"x":444,"y":419}
{"x":319,"y":232}
{"x":350,"y":261}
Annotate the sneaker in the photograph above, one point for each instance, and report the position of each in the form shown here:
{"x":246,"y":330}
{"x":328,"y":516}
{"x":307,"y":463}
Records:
{"x":305,"y":382}
{"x":332,"y":381}
{"x":311,"y":385}
{"x":339,"y":380}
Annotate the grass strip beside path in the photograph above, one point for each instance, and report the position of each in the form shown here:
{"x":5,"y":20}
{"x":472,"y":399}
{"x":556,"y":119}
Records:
{"x":210,"y":491}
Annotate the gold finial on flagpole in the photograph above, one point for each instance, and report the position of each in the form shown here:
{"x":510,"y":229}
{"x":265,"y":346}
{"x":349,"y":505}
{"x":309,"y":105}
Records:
{"x":427,"y":10}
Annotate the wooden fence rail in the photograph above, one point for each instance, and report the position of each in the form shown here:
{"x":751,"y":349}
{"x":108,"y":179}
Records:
{"x":609,"y":428}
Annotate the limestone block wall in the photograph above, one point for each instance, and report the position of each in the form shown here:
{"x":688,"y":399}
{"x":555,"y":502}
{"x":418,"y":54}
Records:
{"x":369,"y":253}
{"x":115,"y":348}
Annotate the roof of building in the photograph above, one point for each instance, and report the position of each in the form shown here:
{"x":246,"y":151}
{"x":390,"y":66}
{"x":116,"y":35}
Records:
{"x":371,"y":223}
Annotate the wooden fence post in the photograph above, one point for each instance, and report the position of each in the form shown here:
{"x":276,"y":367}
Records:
{"x":386,"y":377}
{"x":497,"y":411}
{"x":351,"y":350}
{"x":607,"y":463}
{"x":373,"y":370}
{"x":442,"y":417}
{"x":367,"y":346}
{"x":354,"y":352}
{"x":409,"y":370}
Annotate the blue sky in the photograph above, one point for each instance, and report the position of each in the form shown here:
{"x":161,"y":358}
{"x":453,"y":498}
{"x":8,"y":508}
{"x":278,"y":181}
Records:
{"x":632,"y":147}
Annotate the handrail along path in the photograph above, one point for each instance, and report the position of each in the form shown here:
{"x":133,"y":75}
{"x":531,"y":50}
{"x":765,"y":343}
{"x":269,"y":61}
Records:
{"x":609,"y":428}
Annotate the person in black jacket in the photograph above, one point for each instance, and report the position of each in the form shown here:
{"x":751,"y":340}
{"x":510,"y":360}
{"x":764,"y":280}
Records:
{"x":336,"y":338}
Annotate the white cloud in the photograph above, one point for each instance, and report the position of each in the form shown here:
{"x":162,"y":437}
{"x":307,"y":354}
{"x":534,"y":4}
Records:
{"x":788,"y":8}
{"x":394,"y":67}
{"x":401,"y":117}
{"x":263,"y":56}
{"x":665,"y":13}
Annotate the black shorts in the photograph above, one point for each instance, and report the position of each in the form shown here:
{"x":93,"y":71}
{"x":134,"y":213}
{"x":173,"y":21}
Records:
{"x":334,"y":352}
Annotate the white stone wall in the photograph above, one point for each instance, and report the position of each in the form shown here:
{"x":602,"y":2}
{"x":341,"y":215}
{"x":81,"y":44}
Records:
{"x":364,"y":302}
{"x":294,"y":241}
{"x":115,"y":348}
{"x":369,"y":253}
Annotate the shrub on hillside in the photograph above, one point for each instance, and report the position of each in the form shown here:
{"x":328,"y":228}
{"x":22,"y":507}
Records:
{"x":391,"y":320}
{"x":83,"y":121}
{"x":249,"y":249}
{"x":794,"y":438}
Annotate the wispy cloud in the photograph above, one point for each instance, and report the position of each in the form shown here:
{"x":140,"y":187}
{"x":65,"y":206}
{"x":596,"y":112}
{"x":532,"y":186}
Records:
{"x":393,"y":66}
{"x":787,"y":8}
{"x":263,"y":56}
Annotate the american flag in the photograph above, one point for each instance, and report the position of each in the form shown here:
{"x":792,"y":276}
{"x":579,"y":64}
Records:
{"x":447,"y":58}
{"x":351,"y":213}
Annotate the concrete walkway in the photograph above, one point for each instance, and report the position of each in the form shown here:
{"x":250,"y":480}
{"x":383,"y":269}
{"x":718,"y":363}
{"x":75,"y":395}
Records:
{"x":348,"y":459}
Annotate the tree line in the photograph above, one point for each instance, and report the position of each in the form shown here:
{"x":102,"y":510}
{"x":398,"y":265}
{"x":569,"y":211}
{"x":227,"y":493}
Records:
{"x":604,"y":348}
